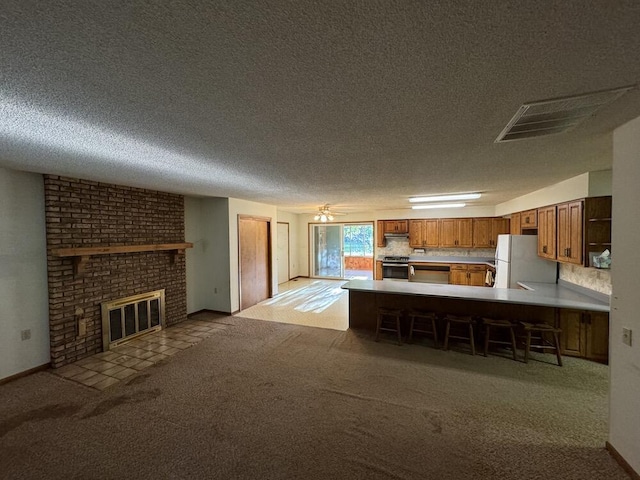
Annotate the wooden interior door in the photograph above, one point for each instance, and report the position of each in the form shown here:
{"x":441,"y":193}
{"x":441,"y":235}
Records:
{"x":255,"y":265}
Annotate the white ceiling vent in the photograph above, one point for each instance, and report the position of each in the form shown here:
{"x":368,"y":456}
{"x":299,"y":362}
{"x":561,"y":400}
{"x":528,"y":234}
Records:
{"x":547,"y":117}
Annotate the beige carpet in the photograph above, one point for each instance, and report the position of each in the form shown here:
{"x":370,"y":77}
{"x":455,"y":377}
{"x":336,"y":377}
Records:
{"x":309,"y":302}
{"x":275,"y":401}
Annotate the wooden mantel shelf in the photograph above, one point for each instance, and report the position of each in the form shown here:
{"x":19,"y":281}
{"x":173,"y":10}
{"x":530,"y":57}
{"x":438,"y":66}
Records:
{"x":81,"y":255}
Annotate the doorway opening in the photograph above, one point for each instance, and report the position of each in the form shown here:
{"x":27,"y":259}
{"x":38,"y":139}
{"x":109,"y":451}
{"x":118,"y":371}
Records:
{"x":342,"y":250}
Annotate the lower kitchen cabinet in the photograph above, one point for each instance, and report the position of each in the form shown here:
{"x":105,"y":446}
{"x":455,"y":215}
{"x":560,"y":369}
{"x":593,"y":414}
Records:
{"x":585,"y":334}
{"x":378,"y":273}
{"x":472,"y":274}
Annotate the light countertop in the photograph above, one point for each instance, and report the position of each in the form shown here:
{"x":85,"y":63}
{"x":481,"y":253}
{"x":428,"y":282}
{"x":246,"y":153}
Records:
{"x":450,"y":259}
{"x":546,"y":295}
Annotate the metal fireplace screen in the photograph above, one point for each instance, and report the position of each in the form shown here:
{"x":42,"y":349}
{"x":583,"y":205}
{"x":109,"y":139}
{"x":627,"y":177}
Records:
{"x":130,"y":317}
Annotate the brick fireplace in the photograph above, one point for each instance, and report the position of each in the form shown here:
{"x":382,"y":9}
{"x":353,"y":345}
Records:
{"x":82,"y":213}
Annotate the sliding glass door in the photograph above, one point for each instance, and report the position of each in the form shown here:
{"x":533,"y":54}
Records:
{"x":327,"y":251}
{"x":342,"y":250}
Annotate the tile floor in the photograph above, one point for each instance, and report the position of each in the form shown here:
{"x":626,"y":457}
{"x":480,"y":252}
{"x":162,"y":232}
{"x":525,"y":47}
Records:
{"x":105,"y":369}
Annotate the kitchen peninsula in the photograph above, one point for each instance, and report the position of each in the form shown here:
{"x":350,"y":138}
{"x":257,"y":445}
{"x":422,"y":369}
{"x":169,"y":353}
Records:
{"x":549,"y":303}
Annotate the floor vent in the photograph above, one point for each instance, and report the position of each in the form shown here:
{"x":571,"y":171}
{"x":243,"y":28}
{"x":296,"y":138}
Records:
{"x":548,"y":117}
{"x":130,"y":317}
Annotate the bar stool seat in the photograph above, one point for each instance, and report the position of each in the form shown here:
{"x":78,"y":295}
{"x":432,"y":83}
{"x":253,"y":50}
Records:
{"x":461,"y":320}
{"x":542,"y":328}
{"x":499,"y":323}
{"x":389,"y":321}
{"x":423,"y":322}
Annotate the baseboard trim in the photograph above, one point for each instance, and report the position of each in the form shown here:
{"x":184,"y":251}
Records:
{"x":206,"y":310}
{"x":622,"y":462}
{"x":16,"y":376}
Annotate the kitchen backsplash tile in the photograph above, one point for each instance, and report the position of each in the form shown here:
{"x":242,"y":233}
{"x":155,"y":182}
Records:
{"x":591,"y":278}
{"x":400,"y":246}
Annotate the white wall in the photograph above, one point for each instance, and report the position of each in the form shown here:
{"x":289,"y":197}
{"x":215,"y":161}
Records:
{"x":245,"y":207}
{"x":624,"y":421}
{"x":207,"y":263}
{"x":195,"y":255}
{"x":294,"y":241}
{"x":23,"y":273}
{"x":590,"y":184}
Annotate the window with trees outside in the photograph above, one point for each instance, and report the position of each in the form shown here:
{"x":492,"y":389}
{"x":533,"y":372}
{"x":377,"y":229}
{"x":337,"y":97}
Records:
{"x":358,"y":240}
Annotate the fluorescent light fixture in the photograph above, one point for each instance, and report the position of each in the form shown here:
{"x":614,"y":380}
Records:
{"x":440,"y":205}
{"x":446,"y":198}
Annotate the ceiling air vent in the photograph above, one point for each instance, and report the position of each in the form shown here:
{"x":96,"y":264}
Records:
{"x":547,"y":117}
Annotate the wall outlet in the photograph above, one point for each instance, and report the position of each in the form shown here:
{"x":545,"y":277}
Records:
{"x":82,"y":327}
{"x":626,"y":336}
{"x":25,"y":334}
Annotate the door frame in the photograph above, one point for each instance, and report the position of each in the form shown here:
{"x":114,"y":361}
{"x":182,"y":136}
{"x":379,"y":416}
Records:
{"x":310,"y":248}
{"x":288,"y":249}
{"x":269,"y":254}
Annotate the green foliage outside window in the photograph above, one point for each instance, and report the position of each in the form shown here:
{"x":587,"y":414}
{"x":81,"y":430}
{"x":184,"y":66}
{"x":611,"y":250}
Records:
{"x":358,"y":240}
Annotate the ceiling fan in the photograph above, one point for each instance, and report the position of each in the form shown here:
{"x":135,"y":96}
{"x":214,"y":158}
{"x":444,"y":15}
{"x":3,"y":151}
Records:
{"x":325,"y":214}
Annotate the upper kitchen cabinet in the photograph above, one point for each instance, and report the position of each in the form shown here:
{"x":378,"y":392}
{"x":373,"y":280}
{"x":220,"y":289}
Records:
{"x":380,"y":240}
{"x":486,"y":231}
{"x":390,"y":226}
{"x":596,"y":227}
{"x":456,"y":232}
{"x":529,"y":219}
{"x":547,"y":232}
{"x":424,"y":233}
{"x":569,"y":231}
{"x":396,"y":226}
{"x":574,"y":232}
{"x":515,"y":228}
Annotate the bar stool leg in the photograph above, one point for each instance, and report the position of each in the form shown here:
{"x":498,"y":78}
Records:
{"x":557,"y":342}
{"x":446,"y":336}
{"x":527,"y":347}
{"x":513,"y":343}
{"x":435,"y":331}
{"x":398,"y":328}
{"x":410,"y":338}
{"x":473,"y":343}
{"x":486,"y":340}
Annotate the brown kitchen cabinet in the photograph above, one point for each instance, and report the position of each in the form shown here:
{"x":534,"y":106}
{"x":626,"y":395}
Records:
{"x":486,"y":231}
{"x":468,"y":274}
{"x":547,"y":232}
{"x":396,"y":226}
{"x":585,"y":334}
{"x":514,"y":224}
{"x":529,"y":219}
{"x":456,"y":232}
{"x":569,"y":232}
{"x":596,"y":227}
{"x":378,"y":272}
{"x":424,"y":233}
{"x":380,"y":240}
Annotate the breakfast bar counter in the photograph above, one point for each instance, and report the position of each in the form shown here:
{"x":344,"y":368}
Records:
{"x":541,"y":305}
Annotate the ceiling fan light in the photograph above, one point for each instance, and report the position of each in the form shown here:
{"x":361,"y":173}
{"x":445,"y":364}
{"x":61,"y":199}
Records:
{"x":330,"y":217}
{"x":317,"y":217}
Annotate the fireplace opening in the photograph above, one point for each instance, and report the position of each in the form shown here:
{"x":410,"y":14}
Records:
{"x":131,"y":317}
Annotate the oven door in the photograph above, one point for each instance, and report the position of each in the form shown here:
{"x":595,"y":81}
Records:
{"x":395,"y":271}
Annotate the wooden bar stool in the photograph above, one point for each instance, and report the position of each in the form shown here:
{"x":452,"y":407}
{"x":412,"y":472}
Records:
{"x":389,"y":321}
{"x":423,"y":322}
{"x":492,"y":322}
{"x":466,"y":320}
{"x":542,"y":328}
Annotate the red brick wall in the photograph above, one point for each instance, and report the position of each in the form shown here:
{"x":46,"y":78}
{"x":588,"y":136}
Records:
{"x":81,"y":213}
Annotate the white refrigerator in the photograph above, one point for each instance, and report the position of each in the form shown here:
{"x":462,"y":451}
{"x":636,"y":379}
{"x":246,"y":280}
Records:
{"x":517,"y":260}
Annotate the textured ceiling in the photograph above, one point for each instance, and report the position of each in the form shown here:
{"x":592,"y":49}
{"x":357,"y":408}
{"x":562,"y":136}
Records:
{"x":301,"y":103}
